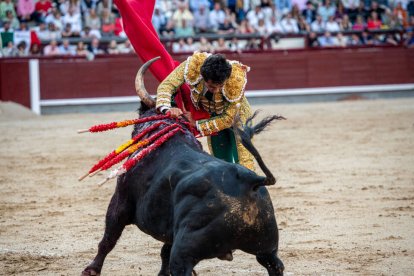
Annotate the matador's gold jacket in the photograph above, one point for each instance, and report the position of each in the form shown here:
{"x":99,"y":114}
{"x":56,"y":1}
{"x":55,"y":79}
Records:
{"x":223,"y":106}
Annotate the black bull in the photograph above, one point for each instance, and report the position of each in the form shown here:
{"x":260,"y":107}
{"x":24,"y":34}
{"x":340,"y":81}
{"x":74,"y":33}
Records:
{"x":200,"y":207}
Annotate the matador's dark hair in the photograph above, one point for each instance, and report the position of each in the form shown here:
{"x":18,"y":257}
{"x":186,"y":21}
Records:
{"x":216,"y":68}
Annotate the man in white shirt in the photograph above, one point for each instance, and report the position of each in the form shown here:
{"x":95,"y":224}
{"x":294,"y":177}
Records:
{"x":216,"y":16}
{"x":254,"y":16}
{"x":318,"y":26}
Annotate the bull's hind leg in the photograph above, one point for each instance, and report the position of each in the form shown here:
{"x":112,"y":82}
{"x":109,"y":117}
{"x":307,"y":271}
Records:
{"x":117,"y":217}
{"x":165,"y":258}
{"x":272,"y":263}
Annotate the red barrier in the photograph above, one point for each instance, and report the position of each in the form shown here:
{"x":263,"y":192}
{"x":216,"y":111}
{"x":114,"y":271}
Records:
{"x":14,"y":81}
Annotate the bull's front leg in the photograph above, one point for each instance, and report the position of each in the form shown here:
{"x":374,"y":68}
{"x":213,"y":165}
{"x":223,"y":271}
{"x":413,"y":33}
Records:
{"x":117,"y":217}
{"x":165,"y":258}
{"x":272,"y":263}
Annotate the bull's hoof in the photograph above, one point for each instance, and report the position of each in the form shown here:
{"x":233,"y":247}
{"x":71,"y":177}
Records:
{"x":226,"y":257}
{"x":90,"y":272}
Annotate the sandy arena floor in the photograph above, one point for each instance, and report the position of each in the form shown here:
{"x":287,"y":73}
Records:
{"x":344,"y":198}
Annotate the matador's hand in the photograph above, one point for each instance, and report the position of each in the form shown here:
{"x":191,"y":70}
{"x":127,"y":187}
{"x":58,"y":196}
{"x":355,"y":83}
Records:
{"x":174,"y":112}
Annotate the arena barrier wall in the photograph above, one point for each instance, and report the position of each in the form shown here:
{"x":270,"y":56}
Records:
{"x":109,"y":79}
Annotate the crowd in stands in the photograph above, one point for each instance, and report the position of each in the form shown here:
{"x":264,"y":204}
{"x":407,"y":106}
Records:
{"x":27,"y":25}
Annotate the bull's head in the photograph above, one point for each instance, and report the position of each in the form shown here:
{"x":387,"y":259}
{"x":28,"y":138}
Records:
{"x":139,"y":84}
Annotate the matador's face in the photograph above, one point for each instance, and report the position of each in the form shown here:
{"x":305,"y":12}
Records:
{"x":214,"y":87}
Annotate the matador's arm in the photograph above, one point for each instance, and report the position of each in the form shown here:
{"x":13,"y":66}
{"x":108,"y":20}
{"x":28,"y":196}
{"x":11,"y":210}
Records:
{"x":168,"y":88}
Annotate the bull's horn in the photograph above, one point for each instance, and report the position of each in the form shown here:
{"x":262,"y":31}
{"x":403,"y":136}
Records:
{"x":139,"y":84}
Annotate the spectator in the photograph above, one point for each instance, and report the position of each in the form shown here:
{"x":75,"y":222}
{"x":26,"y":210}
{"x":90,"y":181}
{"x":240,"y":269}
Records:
{"x":9,"y":50}
{"x":235,"y":45}
{"x":377,"y":9}
{"x":359,"y":24}
{"x":51,"y":49}
{"x":295,"y":12}
{"x":374,"y":23}
{"x":227,"y":27}
{"x":25,"y":9}
{"x":326,"y":9}
{"x":112,"y":48}
{"x":351,"y":8}
{"x":401,"y":14}
{"x":169,"y":30}
{"x":345,"y":24}
{"x":22,"y":50}
{"x":340,"y":11}
{"x":354,"y":40}
{"x":366,"y":39}
{"x":183,"y":18}
{"x":390,"y":39}
{"x":88,"y":5}
{"x":14,"y":22}
{"x":125,"y":48}
{"x":254,"y":16}
{"x":55,"y":17}
{"x":158,"y":20}
{"x":180,"y":47}
{"x":318,"y":25}
{"x":183,"y":30}
{"x":53,"y":32}
{"x":67,"y":31}
{"x":108,"y":22}
{"x":42,"y":9}
{"x":270,"y":11}
{"x":35,"y":50}
{"x":74,"y":19}
{"x":245,"y":27}
{"x":309,"y":13}
{"x":284,"y":6}
{"x":220,"y":45}
{"x":303,"y":25}
{"x":80,"y":49}
{"x":201,"y":19}
{"x":289,"y":24}
{"x":205,"y":45}
{"x":191,"y":47}
{"x":361,"y":11}
{"x":216,"y":17}
{"x":326,"y":40}
{"x":92,"y":20}
{"x":66,"y":48}
{"x":195,"y":5}
{"x":332,"y":26}
{"x":95,"y":47}
{"x":89,"y":33}
{"x":42,"y":31}
{"x":252,"y":44}
{"x":340,"y":40}
{"x":6,"y":5}
{"x":274,"y":27}
{"x":313,"y":40}
{"x":409,"y":41}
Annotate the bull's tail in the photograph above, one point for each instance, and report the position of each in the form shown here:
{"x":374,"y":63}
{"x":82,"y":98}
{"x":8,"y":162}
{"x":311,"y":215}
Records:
{"x":246,"y":134}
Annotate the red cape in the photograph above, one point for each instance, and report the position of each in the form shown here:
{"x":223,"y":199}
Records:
{"x":136,"y":18}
